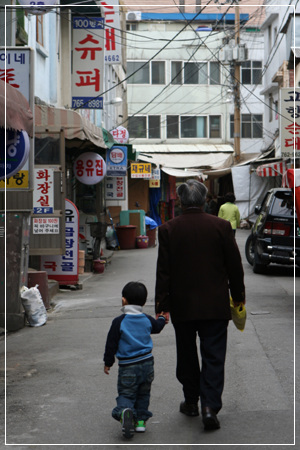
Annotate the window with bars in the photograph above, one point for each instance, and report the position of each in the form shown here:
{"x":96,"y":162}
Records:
{"x":195,"y":72}
{"x":251,"y":72}
{"x":149,"y":73}
{"x":251,"y":126}
{"x":144,"y":127}
{"x":149,"y":127}
{"x":193,"y":127}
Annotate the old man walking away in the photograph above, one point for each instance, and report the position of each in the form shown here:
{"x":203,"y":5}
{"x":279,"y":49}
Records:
{"x":199,"y":266}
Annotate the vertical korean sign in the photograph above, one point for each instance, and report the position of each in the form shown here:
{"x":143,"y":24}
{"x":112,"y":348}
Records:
{"x":88,"y":62}
{"x":64,"y":268}
{"x":110,"y":10}
{"x":290,"y":122}
{"x":43,"y":192}
{"x":17,"y":69}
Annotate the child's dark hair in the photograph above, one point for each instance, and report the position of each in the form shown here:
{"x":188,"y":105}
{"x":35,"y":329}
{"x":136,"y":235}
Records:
{"x":135,"y":293}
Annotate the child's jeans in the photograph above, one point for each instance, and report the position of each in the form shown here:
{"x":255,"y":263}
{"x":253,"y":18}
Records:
{"x":134,"y":385}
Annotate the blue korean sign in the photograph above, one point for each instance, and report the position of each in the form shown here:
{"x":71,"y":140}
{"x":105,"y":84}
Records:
{"x":17,"y":151}
{"x":116,"y":161}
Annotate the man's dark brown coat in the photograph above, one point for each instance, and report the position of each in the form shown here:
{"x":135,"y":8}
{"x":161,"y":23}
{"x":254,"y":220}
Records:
{"x":198,"y":261}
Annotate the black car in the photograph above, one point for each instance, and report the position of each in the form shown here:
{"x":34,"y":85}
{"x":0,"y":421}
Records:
{"x":275,"y":236}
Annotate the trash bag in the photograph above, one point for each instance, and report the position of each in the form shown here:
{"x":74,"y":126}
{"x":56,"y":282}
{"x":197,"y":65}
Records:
{"x":238,"y":315}
{"x":111,"y":242}
{"x":33,"y":305}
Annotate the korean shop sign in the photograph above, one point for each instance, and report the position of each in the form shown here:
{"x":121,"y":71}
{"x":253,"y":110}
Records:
{"x":141,"y":170}
{"x":89,"y":168}
{"x":154,"y":182}
{"x":116,"y":161}
{"x":17,"y":152}
{"x":64,"y":268}
{"x":290,"y":122}
{"x":115,"y":188}
{"x":16,"y":65}
{"x":43,"y":191}
{"x":110,"y":10}
{"x":88,"y":62}
{"x":120,"y":135}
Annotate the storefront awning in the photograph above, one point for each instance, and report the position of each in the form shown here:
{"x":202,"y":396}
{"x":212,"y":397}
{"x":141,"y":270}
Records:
{"x":271,"y":170}
{"x":79,"y":131}
{"x":179,"y":173}
{"x":245,"y":159}
{"x":18,"y":113}
{"x":187,"y":156}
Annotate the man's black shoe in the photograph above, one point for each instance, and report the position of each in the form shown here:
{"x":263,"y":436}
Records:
{"x":209,"y":418}
{"x":189,"y":409}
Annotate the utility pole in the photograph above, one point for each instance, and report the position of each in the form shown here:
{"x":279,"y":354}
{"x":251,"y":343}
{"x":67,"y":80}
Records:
{"x":237,"y":97}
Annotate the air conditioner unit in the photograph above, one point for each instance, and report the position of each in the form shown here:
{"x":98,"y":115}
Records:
{"x":133,"y":16}
{"x":243,"y":53}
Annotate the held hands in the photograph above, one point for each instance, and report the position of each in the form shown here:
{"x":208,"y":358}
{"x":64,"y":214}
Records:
{"x":106,"y":370}
{"x":166,"y":315}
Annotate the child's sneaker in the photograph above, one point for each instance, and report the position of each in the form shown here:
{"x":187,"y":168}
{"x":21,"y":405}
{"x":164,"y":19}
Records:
{"x":127,"y":423}
{"x":140,"y":426}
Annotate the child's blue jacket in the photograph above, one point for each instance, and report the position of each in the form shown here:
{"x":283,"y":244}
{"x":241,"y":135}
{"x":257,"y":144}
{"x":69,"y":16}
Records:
{"x":129,"y":336}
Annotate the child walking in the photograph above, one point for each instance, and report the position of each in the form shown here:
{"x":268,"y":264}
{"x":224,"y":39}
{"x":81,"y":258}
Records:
{"x":129,"y":339}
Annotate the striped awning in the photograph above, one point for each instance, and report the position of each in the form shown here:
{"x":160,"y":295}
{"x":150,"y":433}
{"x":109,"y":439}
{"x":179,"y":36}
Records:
{"x":78,"y":130}
{"x":271,"y":170}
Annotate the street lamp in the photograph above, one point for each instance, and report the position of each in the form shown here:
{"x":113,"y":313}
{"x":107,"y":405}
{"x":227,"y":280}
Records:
{"x":114,"y":101}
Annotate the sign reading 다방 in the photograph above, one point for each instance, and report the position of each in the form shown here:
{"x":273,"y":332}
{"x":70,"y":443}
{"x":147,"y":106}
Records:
{"x":115,"y":188}
{"x":290,"y":122}
{"x":141,"y":170}
{"x":88,"y":62}
{"x":64,"y":268}
{"x":116,"y":161}
{"x":89,"y":168}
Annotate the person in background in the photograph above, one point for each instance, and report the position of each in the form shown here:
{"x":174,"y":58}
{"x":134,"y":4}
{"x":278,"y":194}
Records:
{"x":229,"y":211}
{"x":195,"y":291}
{"x":129,"y":339}
{"x":211,"y":206}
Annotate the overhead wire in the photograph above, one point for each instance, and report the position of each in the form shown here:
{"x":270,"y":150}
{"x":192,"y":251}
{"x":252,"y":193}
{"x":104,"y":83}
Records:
{"x":168,"y":41}
{"x":170,"y":83}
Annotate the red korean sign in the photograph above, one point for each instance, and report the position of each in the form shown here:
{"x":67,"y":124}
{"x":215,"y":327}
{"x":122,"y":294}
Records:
{"x":43,"y":191}
{"x":110,"y":10}
{"x":290,"y":122}
{"x":89,"y":168}
{"x":88,"y":62}
{"x":120,"y":135}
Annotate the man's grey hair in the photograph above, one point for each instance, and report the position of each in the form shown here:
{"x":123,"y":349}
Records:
{"x":192,"y":193}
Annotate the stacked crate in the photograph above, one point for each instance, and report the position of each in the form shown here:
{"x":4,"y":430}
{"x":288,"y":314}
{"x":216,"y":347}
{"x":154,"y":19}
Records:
{"x":81,"y":261}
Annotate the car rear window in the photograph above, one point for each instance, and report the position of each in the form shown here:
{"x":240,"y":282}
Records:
{"x":283,"y":206}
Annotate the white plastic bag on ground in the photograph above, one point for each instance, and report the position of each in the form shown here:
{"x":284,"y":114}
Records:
{"x":33,"y":304}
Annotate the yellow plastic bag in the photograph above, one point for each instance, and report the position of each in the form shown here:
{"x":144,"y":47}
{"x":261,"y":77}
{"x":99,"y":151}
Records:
{"x":238,"y":315}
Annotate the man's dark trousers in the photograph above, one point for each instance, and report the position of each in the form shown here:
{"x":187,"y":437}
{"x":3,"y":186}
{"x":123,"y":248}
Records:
{"x":208,"y":383}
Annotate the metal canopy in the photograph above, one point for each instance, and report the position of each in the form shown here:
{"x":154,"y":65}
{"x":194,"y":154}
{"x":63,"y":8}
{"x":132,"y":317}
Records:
{"x":186,"y":156}
{"x":80,"y":131}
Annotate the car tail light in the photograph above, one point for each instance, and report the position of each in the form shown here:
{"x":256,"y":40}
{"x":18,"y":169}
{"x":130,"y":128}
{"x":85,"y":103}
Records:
{"x":277,"y":229}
